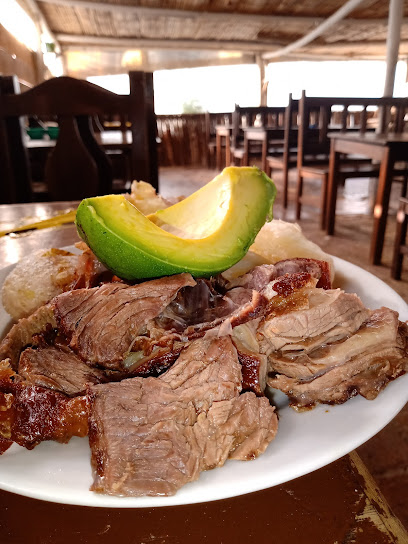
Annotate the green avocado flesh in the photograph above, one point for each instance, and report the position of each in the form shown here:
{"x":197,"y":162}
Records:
{"x":203,"y":234}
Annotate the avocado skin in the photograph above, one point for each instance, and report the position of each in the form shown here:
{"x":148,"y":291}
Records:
{"x":133,"y":259}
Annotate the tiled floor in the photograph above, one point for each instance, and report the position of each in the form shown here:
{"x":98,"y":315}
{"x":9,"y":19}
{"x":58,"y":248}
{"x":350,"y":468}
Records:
{"x":386,"y":455}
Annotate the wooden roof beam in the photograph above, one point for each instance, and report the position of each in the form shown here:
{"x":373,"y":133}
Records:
{"x":128,"y":43}
{"x":143,"y":11}
{"x":106,"y":42}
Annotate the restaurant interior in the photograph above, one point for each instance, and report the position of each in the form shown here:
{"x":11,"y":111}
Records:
{"x":98,"y":94}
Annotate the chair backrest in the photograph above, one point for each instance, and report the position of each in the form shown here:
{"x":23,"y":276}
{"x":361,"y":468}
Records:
{"x":290,"y":126}
{"x":318,"y":116}
{"x":262,"y":116}
{"x":77,"y":167}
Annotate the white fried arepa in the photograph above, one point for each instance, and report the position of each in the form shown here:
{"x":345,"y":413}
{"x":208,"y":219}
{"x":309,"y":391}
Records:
{"x":36,"y":279}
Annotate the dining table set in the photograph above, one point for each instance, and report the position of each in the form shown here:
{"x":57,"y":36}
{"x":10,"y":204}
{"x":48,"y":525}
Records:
{"x":327,"y":139}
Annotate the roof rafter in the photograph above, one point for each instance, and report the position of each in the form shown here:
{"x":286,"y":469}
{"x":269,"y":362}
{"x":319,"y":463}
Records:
{"x":109,"y":42}
{"x":105,"y":42}
{"x":143,"y":11}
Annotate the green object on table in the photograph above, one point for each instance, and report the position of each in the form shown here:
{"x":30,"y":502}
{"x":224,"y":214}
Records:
{"x":36,"y":133}
{"x":53,"y":132}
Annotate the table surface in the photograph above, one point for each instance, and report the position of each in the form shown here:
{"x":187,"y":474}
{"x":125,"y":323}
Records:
{"x":107,"y":139}
{"x":338,"y":503}
{"x":370,"y":137}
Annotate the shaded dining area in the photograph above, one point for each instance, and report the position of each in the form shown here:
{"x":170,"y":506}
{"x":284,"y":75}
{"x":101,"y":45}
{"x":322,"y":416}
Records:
{"x":148,"y":102}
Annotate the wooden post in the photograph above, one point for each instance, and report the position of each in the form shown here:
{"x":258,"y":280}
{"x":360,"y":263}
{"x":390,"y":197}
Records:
{"x":395,"y":16}
{"x":264,"y":84}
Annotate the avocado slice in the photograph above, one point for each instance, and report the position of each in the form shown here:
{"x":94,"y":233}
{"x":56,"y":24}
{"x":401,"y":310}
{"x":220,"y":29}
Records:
{"x":204,"y":234}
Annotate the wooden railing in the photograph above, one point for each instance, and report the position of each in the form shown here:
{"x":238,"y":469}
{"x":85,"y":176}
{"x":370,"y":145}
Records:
{"x":183,"y":140}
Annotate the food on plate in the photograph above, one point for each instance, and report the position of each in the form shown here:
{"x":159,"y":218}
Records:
{"x":173,"y":376}
{"x":144,"y":197}
{"x":36,"y":279}
{"x":168,"y":377}
{"x":192,"y":418}
{"x":276,"y":241}
{"x":204,"y":234}
{"x":333,"y":349}
{"x":39,"y":277}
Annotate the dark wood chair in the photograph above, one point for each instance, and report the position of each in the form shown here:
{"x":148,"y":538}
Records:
{"x":317,"y":119}
{"x":271,"y":118}
{"x":77,"y":167}
{"x":400,"y":244}
{"x":287,"y":158}
{"x":212,"y":120}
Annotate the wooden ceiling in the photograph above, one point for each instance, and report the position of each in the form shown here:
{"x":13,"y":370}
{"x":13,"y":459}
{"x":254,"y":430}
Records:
{"x":243,"y":27}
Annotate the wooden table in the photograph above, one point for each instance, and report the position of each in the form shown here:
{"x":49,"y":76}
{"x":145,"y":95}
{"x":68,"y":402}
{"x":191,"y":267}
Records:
{"x":108,"y":139}
{"x":387,"y":149}
{"x":339,"y":503}
{"x":267,"y":136}
{"x":223,"y":132}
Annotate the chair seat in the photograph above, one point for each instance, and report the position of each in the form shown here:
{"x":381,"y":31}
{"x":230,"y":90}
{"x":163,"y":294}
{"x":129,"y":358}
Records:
{"x":278,"y":162}
{"x":359,"y":169}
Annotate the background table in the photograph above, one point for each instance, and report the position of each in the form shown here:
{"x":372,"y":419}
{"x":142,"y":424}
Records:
{"x":223,"y":132}
{"x":338,"y":503}
{"x":109,"y":139}
{"x":267,"y":136}
{"x":388,"y":149}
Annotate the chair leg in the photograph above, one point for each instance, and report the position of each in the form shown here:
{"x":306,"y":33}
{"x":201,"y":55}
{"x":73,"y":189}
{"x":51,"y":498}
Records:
{"x":299,"y":195}
{"x":323,"y":205}
{"x":268,"y":170}
{"x":400,"y":236}
{"x":404,"y":189}
{"x":285,"y":172}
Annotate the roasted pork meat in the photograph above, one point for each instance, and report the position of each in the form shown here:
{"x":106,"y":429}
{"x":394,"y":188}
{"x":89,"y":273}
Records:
{"x":30,"y":414}
{"x":333,"y":350}
{"x":151,"y":436}
{"x":169,"y":375}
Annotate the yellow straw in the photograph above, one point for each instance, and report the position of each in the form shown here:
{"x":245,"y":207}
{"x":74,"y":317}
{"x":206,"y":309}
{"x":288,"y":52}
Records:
{"x":61,"y":219}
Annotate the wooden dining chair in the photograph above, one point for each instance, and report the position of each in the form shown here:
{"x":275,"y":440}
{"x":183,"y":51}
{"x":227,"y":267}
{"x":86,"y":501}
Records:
{"x":286,"y":158}
{"x":211,"y":122}
{"x":400,"y":243}
{"x":77,"y":167}
{"x":260,"y":116}
{"x":317,"y":120}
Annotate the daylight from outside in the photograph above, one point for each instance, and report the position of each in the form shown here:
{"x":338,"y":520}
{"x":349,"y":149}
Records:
{"x":219,"y":88}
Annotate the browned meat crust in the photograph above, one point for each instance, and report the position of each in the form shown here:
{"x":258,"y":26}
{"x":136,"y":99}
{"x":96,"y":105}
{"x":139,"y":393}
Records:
{"x":32,"y":414}
{"x":21,"y":334}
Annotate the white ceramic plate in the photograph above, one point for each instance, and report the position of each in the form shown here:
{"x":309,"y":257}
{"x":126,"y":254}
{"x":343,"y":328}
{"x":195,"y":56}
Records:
{"x":305,"y":441}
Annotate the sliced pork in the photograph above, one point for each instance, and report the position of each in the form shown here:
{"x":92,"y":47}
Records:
{"x":103,"y":323}
{"x":260,"y":276}
{"x":343,"y":364}
{"x":151,"y":436}
{"x":60,"y":370}
{"x":21,"y":334}
{"x":31,"y":414}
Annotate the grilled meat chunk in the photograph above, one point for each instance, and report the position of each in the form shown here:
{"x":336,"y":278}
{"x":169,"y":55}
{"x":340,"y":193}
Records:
{"x":102,"y":323}
{"x":31,"y":414}
{"x":341,"y":364}
{"x":60,"y":370}
{"x":151,"y":436}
